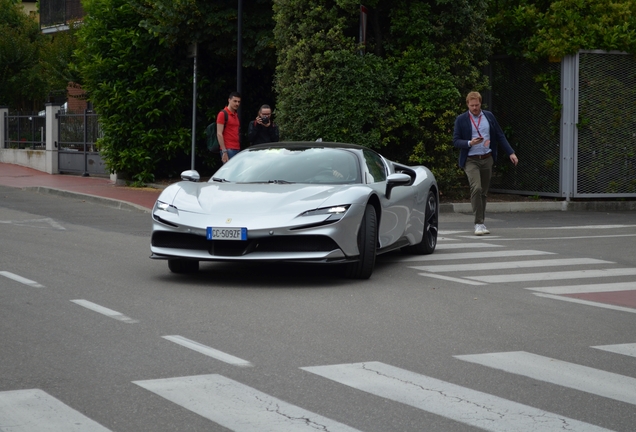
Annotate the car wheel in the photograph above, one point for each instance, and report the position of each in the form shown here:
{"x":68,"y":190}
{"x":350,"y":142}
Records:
{"x":429,"y":238}
{"x":367,"y":243}
{"x":183,"y":266}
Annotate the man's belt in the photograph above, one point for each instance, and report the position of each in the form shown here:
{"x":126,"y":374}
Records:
{"x":484,"y":156}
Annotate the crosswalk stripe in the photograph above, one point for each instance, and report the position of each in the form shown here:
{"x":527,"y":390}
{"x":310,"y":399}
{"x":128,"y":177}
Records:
{"x":510,"y":265}
{"x":35,"y":410}
{"x":466,"y":246}
{"x":606,"y":384}
{"x":458,"y":403}
{"x":578,"y":274}
{"x":471,"y":255}
{"x":452,"y":279}
{"x":624,"y":349}
{"x":582,"y":289}
{"x":586,"y":302}
{"x":208,"y":351}
{"x":237,"y":406}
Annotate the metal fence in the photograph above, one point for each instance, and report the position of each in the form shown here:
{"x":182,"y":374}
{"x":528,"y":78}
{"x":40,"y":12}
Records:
{"x":77,"y":150}
{"x":521,"y":106}
{"x":24,"y":131}
{"x":572,"y":124}
{"x":59,"y":12}
{"x":605,"y":152}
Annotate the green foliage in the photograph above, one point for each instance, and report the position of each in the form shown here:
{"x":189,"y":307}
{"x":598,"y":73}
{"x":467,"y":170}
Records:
{"x":555,"y":29}
{"x":402,"y":96}
{"x":138,"y":86}
{"x":21,"y":86}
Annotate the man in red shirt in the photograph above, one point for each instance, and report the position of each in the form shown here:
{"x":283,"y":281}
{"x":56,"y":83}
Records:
{"x":228,"y":134}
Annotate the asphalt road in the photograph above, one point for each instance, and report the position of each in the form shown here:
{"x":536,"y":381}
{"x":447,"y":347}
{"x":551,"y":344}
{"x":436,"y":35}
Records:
{"x":96,"y":336}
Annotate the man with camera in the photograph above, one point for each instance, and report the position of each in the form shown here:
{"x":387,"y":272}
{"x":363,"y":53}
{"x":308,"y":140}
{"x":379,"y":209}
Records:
{"x":263,"y":130}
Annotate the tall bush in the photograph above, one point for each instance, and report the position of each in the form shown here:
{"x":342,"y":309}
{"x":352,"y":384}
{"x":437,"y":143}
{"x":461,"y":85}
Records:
{"x":139,"y":87}
{"x":402,"y":95}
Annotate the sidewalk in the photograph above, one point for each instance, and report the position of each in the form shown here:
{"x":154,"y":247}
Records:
{"x":106,"y":192}
{"x":95,"y":189}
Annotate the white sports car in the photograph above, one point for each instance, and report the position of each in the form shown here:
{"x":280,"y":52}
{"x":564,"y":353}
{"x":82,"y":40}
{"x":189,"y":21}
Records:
{"x":297,"y":201}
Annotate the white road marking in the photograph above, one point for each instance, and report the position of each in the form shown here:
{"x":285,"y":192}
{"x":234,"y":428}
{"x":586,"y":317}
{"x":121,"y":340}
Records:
{"x":457,"y":403}
{"x":237,"y":406}
{"x":466,"y":246}
{"x":29,"y":222}
{"x":443,"y":256}
{"x":501,"y":265}
{"x":591,"y":288}
{"x":549,"y":276}
{"x":606,"y":384}
{"x":624,"y":349}
{"x":20,"y":279}
{"x":452,"y":279}
{"x":208,"y":351}
{"x":586,"y":227}
{"x":565,"y":238}
{"x":35,"y":410}
{"x":105,"y":311}
{"x":586,"y":302}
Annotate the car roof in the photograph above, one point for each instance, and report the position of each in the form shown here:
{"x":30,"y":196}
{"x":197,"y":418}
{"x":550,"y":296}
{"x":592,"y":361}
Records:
{"x":308,"y":144}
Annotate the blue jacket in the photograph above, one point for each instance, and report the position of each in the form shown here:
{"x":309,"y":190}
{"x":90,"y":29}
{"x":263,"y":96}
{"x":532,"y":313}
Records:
{"x":463,"y":133}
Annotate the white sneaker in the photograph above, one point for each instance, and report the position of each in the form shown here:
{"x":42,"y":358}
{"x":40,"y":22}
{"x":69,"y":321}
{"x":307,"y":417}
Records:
{"x":478,"y":230}
{"x":484,"y":229}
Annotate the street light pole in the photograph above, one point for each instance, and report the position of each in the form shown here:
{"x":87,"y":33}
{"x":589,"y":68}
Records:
{"x":195,"y":49}
{"x":239,"y":48}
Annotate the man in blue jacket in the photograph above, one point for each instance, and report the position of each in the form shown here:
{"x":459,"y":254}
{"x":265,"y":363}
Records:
{"x":477,"y":135}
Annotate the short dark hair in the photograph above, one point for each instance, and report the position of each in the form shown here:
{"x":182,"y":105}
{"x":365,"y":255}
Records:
{"x":234,"y":94}
{"x":264,"y":107}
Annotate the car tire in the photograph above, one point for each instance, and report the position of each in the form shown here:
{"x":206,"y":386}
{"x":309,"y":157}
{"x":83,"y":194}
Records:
{"x":367,"y":245}
{"x":431,"y":224}
{"x":183,"y":266}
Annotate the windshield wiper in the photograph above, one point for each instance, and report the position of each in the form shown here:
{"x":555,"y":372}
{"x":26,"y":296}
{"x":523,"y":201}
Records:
{"x":220,"y":180}
{"x":280,"y":182}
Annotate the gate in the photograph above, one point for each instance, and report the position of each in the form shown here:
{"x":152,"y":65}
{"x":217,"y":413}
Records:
{"x":77,"y":152}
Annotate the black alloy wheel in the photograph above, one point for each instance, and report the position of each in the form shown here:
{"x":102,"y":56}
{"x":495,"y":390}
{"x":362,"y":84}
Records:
{"x":367,"y":245}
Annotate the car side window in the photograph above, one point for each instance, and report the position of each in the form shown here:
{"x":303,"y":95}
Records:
{"x":375,"y":167}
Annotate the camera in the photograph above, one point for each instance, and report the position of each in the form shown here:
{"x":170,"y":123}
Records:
{"x":265,"y":119}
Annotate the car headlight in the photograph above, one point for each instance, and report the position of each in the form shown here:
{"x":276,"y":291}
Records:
{"x":162,"y":206}
{"x":334,"y":212}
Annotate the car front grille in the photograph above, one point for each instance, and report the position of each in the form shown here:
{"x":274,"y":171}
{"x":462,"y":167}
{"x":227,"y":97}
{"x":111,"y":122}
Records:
{"x":308,"y":243}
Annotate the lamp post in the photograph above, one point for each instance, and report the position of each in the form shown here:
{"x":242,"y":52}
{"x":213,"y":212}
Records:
{"x":193,"y":51}
{"x":239,"y":52}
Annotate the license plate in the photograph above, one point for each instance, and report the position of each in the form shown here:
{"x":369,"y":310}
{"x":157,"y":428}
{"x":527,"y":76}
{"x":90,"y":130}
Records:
{"x":214,"y":233}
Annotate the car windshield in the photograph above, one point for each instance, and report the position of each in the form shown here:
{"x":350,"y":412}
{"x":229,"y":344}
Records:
{"x":291,"y":165}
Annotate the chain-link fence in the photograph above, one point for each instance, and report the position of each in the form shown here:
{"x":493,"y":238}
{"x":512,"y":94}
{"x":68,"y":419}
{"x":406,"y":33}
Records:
{"x":572,"y":124}
{"x":523,"y":98}
{"x":605,"y":154}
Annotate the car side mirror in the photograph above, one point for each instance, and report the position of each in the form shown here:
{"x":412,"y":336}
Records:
{"x":190,"y":175}
{"x":397,"y":179}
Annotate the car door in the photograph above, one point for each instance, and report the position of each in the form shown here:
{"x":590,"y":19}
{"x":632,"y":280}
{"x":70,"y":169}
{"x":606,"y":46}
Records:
{"x":396,"y":211}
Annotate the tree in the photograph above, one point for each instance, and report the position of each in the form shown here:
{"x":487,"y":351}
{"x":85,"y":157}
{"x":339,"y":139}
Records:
{"x":403,"y":94}
{"x":133,"y":60}
{"x":21,"y":86}
{"x":539,"y":29}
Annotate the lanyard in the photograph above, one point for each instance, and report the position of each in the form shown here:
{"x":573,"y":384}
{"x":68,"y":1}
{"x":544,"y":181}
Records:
{"x":478,"y":123}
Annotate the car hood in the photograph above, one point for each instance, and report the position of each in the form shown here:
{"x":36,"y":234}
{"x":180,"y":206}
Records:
{"x":255,"y":205}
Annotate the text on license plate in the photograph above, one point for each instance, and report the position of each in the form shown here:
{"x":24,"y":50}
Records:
{"x":214,"y":233}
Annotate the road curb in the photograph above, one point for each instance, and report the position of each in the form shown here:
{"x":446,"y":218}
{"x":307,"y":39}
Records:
{"x":543,"y":206}
{"x":109,"y":202}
